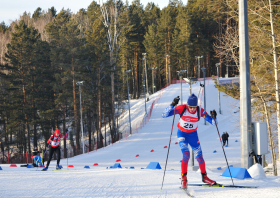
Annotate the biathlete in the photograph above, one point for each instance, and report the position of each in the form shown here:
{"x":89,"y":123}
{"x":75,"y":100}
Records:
{"x":54,"y":142}
{"x":187,"y":133}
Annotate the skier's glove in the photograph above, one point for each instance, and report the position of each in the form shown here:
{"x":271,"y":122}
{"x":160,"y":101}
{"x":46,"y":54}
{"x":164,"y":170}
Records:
{"x":175,"y":101}
{"x":213,"y":114}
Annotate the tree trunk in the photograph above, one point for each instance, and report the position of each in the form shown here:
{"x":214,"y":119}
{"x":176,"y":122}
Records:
{"x":275,"y":75}
{"x":75,"y":112}
{"x":99,"y":114}
{"x":169,"y":58}
{"x":64,"y":129}
{"x":272,"y":148}
{"x":136,"y":90}
{"x":89,"y":129}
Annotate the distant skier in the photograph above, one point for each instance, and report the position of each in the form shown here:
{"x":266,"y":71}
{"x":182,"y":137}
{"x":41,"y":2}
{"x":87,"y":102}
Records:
{"x":187,"y":133}
{"x":224,"y":137}
{"x":54,"y":141}
{"x":227,"y":135}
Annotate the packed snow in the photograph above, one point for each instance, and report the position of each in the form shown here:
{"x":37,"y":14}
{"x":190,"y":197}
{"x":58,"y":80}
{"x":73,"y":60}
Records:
{"x":133,"y":179}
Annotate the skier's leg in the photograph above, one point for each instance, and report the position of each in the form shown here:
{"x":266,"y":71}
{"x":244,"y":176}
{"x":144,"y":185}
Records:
{"x":58,"y":157}
{"x":183,"y":142}
{"x":195,"y":144}
{"x":38,"y":160}
{"x":50,"y":156}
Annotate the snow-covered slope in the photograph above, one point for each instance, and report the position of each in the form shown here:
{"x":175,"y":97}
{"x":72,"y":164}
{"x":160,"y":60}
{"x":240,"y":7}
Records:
{"x":98,"y":181}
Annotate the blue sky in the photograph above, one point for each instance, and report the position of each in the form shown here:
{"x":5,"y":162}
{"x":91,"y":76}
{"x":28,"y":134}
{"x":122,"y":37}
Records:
{"x":12,"y":9}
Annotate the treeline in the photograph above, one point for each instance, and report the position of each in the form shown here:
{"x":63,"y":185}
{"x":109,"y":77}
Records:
{"x":44,"y":55}
{"x":264,"y":43}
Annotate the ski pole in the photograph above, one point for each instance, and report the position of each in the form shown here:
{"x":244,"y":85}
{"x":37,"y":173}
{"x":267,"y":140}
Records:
{"x":201,"y":85}
{"x":168,"y":149}
{"x":223,"y":150}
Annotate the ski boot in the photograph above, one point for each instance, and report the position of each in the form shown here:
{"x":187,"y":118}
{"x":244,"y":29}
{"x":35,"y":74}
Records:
{"x":184,"y":181}
{"x":206,"y":180}
{"x":45,"y":169}
{"x":58,"y":167}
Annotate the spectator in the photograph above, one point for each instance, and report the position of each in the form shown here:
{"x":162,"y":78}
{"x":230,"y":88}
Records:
{"x":224,"y":138}
{"x":227,"y":135}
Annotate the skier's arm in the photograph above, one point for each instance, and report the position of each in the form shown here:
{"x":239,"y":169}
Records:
{"x":207,"y":117}
{"x":50,"y":140}
{"x":66,"y":134}
{"x":169,"y":111}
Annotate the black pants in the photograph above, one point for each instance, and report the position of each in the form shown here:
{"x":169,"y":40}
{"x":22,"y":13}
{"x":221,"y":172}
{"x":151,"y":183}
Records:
{"x":52,"y":150}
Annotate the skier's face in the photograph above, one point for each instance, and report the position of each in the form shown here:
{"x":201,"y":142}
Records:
{"x":192,"y":109}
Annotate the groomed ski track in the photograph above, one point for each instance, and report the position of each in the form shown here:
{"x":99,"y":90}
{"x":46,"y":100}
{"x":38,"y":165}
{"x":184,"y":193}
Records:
{"x":101,"y":182}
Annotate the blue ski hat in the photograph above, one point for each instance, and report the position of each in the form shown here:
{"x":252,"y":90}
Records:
{"x":192,"y":100}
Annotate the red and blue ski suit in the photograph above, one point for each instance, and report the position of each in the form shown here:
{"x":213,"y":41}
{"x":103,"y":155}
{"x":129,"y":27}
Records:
{"x":187,"y":133}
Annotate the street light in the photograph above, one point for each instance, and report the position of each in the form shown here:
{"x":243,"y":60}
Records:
{"x":180,"y":73}
{"x":217,"y":65}
{"x":144,"y":54}
{"x":144,"y":86}
{"x":167,"y":69}
{"x":79,"y":84}
{"x":189,"y":81}
{"x":204,"y":71}
{"x":153,"y":68}
{"x":198,"y":66}
{"x":127,"y":71}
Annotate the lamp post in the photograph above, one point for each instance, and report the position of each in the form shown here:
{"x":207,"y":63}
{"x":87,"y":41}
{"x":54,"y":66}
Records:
{"x":198,"y":65}
{"x":127,"y":71}
{"x":144,"y":86}
{"x":245,"y":89}
{"x":144,"y":54}
{"x":217,"y":65}
{"x":167,"y":76}
{"x":80,"y":83}
{"x":204,"y":71}
{"x":189,"y":81}
{"x":180,"y":73}
{"x":153,"y":68}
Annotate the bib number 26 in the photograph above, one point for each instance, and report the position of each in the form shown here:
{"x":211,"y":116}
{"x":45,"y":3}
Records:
{"x":188,"y":126}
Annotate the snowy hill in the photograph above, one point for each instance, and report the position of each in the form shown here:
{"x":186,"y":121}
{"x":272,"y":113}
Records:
{"x":98,"y":181}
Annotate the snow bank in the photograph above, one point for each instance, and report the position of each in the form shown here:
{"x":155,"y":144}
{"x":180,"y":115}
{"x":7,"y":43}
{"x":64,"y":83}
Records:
{"x":256,"y":171}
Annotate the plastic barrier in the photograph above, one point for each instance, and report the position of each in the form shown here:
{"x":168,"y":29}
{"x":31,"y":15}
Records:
{"x":152,"y":150}
{"x":95,"y":164}
{"x":30,"y":166}
{"x":165,"y":147}
{"x":118,"y":160}
{"x":117,"y":165}
{"x":137,"y":155}
{"x":86,"y":167}
{"x":70,"y":166}
{"x":153,"y":165}
{"x":239,"y":173}
{"x":214,"y":151}
{"x":13,"y":165}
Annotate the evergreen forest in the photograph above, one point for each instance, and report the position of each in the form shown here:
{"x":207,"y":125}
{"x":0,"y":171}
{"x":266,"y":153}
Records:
{"x":45,"y":53}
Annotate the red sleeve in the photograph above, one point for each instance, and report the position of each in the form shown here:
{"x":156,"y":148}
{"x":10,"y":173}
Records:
{"x":180,"y":109}
{"x":202,"y":112}
{"x":65,"y":136}
{"x":49,"y":140}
